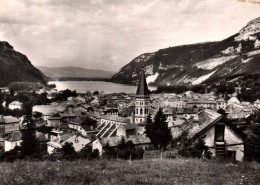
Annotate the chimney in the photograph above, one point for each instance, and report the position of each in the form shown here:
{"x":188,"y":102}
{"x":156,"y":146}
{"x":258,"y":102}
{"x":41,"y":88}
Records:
{"x":196,"y":117}
{"x":76,"y":139}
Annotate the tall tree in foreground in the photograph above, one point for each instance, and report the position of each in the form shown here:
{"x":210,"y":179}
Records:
{"x":29,"y":144}
{"x":158,"y":131}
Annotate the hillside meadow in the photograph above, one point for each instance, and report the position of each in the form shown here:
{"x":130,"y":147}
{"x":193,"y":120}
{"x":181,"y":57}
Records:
{"x":177,"y":171}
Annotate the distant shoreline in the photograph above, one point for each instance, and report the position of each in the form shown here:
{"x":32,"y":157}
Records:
{"x":79,"y":79}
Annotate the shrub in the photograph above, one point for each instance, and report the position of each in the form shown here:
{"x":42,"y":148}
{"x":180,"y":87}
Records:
{"x":188,"y":148}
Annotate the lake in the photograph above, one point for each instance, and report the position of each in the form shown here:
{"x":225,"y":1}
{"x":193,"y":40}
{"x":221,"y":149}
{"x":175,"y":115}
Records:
{"x":107,"y":87}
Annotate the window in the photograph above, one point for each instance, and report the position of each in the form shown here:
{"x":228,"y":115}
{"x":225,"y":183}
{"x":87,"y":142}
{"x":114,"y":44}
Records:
{"x":231,"y":154}
{"x":141,"y":111}
{"x":136,"y":111}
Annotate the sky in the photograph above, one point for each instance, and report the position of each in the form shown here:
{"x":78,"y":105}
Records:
{"x":107,"y":34}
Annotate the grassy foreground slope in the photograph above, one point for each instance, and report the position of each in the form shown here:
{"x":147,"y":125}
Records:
{"x":176,"y":171}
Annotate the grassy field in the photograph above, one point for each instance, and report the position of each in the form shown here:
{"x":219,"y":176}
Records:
{"x":177,"y":171}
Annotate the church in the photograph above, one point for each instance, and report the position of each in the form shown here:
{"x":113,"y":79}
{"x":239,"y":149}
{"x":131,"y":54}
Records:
{"x":114,"y":125}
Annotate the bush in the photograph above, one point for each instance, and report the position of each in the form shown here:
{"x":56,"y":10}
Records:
{"x":88,"y":153}
{"x":187,"y":148}
{"x":11,"y":156}
{"x":127,"y":150}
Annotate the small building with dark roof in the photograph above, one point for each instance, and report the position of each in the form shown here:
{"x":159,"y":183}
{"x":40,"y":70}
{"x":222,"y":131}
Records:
{"x":140,"y":141}
{"x":221,"y":136}
{"x":54,"y":120}
{"x":13,"y":140}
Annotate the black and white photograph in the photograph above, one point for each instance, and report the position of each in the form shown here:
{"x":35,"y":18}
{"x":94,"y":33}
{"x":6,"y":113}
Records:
{"x":116,"y":92}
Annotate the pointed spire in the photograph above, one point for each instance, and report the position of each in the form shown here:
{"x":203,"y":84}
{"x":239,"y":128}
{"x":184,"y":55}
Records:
{"x":142,"y":89}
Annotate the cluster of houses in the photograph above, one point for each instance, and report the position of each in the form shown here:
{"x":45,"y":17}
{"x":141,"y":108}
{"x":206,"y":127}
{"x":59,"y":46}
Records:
{"x":10,"y":134}
{"x":125,"y":116}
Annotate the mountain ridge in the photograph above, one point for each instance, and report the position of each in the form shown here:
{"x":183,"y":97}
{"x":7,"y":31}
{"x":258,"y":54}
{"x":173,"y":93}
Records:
{"x":74,"y":72}
{"x":16,"y":67}
{"x":199,"y":62}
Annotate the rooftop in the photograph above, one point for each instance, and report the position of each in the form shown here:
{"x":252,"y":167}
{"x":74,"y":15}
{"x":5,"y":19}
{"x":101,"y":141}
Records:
{"x":114,"y":141}
{"x":205,"y":119}
{"x":78,"y":142}
{"x":129,"y":126}
{"x":15,"y":136}
{"x":10,"y":119}
{"x":116,"y":118}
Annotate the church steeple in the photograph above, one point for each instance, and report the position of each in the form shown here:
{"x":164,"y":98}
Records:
{"x":142,"y":100}
{"x":142,"y":89}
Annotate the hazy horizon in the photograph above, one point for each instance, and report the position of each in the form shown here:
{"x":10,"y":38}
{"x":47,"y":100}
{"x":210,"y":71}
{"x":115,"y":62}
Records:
{"x":107,"y":34}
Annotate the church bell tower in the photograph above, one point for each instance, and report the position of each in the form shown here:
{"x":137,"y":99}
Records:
{"x":142,"y":100}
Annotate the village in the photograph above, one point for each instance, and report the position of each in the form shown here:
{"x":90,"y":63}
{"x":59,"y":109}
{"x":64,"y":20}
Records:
{"x":101,"y":120}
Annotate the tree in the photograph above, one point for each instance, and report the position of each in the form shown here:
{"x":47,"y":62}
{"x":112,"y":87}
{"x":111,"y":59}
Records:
{"x":149,"y":131}
{"x":27,"y":108}
{"x":37,"y":114}
{"x":90,"y":122}
{"x":109,"y":152}
{"x":95,"y":93}
{"x":252,"y":141}
{"x":158,"y":130}
{"x":29,"y":144}
{"x":189,"y":148}
{"x":68,"y":151}
{"x":12,"y":92}
{"x":126,"y":150}
{"x":88,"y":94}
{"x":222,"y":112}
{"x":87,"y":153}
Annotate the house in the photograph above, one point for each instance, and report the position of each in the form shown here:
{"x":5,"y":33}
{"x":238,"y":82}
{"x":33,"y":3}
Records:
{"x":46,"y":110}
{"x":110,"y":111}
{"x":170,"y":115}
{"x":176,"y":127}
{"x":201,"y":103}
{"x":57,"y":138}
{"x":126,"y":130}
{"x":88,"y":131}
{"x":140,"y":141}
{"x":80,"y":99}
{"x":175,"y":103}
{"x":4,"y":90}
{"x":15,"y":105}
{"x":238,"y":114}
{"x":56,"y":134}
{"x":220,"y":135}
{"x":8,"y":124}
{"x":186,"y":113}
{"x":221,"y":104}
{"x":13,"y":140}
{"x":53,"y":146}
{"x":54,"y":120}
{"x":87,"y":107}
{"x":76,"y":124}
{"x":67,"y":117}
{"x":233,"y":102}
{"x":78,"y":143}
